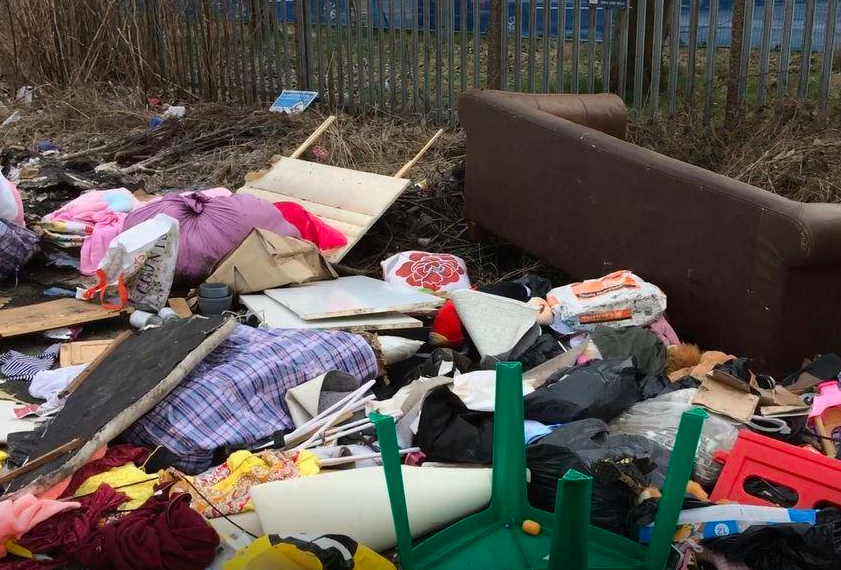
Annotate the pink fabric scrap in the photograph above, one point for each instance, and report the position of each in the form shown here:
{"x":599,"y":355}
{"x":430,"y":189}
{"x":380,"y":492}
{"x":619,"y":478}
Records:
{"x":17,"y":516}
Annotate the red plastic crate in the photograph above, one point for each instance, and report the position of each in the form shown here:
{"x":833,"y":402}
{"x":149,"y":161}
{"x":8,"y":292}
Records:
{"x":815,"y":477}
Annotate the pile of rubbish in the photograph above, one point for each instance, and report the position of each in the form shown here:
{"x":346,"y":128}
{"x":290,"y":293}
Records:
{"x":234,"y":419}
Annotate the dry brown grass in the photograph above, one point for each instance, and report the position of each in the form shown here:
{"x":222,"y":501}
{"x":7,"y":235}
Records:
{"x":793,"y":149}
{"x":83,"y":118}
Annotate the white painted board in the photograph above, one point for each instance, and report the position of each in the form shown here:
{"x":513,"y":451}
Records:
{"x":276,"y":316}
{"x":349,"y":200}
{"x":355,"y":502}
{"x":350,"y":296}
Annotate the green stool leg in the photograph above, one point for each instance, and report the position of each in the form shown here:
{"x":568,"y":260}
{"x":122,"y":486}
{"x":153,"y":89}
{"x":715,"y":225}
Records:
{"x":390,"y":452}
{"x":508,"y":486}
{"x":674,"y":488}
{"x":571,"y":529}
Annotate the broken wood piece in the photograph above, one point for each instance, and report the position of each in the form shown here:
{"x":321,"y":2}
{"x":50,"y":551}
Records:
{"x":180,"y":306}
{"x":92,"y":366}
{"x":81,"y":352}
{"x":409,"y":165}
{"x":39,"y":461}
{"x":52,"y":315}
{"x":349,"y":200}
{"x":313,"y":137}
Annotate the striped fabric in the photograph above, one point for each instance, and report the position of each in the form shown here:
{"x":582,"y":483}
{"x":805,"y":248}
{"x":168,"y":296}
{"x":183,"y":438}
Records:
{"x":18,"y":366}
{"x":235,"y":396}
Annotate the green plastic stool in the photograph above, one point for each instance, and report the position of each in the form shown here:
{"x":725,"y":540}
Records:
{"x":493,"y":539}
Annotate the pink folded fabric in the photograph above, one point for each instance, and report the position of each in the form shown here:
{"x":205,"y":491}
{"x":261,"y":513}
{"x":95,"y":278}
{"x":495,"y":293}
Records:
{"x":17,"y":516}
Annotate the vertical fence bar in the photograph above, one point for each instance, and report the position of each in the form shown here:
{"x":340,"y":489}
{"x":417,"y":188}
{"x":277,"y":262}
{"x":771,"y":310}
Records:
{"x":518,"y":35}
{"x":476,"y":37}
{"x":591,"y":48}
{"x":271,"y":28}
{"x":607,"y":49}
{"x":380,"y":54}
{"x":439,"y":62}
{"x":360,"y":75}
{"x":765,"y":49}
{"x":622,"y":62}
{"x":340,"y":64}
{"x":785,"y":49}
{"x":828,"y":52}
{"x":547,"y":15}
{"x":503,"y":47}
{"x":744,"y":57}
{"x":451,"y":53}
{"x":272,"y":61}
{"x":392,"y":55}
{"x":349,"y":45}
{"x":427,"y":54}
{"x":709,"y":72}
{"x":462,"y":23}
{"x":404,"y":91}
{"x":656,"y":56}
{"x":693,"y":46}
{"x":372,"y":70}
{"x":415,"y":6}
{"x":639,"y":56}
{"x":320,"y":80}
{"x":562,"y":36}
{"x":576,"y":42}
{"x":249,"y":74}
{"x":532,"y":44}
{"x":806,"y":50}
{"x":334,"y":59}
{"x":287,"y":60}
{"x":674,"y":63}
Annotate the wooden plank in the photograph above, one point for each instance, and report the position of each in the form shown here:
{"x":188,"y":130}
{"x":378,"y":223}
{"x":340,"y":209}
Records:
{"x":39,"y":461}
{"x":81,"y":352}
{"x":52,"y":315}
{"x":180,"y":306}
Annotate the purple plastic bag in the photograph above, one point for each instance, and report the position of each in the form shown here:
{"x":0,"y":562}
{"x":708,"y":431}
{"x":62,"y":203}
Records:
{"x":211,"y":228}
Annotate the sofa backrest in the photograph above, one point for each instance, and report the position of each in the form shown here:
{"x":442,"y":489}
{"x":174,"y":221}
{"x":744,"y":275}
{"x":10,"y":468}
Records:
{"x":727,"y":254}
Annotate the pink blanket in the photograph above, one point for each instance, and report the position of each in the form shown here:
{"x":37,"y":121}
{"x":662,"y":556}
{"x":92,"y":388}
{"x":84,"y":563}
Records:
{"x":103,"y":212}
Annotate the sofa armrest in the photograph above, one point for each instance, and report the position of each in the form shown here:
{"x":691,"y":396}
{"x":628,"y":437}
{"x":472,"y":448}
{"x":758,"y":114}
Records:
{"x":603,"y":112}
{"x":821,"y":234}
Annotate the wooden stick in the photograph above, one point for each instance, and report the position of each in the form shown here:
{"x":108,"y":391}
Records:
{"x":313,"y":137}
{"x":408,"y":166}
{"x":83,"y":375}
{"x":39,"y":461}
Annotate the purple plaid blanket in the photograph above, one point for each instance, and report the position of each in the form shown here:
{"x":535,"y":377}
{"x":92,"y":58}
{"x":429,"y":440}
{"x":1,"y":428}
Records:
{"x":235,"y":396}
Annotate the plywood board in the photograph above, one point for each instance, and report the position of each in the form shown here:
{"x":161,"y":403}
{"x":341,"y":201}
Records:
{"x":51,"y":315}
{"x":276,"y":316}
{"x":81,"y":352}
{"x":349,"y":200}
{"x":351,"y":296}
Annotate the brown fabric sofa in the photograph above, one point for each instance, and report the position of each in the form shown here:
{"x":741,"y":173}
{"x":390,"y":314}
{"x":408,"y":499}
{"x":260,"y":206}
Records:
{"x":745,"y":271}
